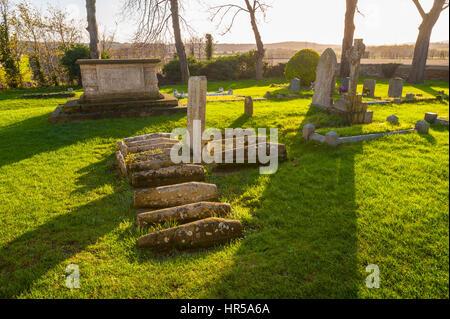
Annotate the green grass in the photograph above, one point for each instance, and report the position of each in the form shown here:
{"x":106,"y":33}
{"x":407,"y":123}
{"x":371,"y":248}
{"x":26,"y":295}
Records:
{"x":310,"y":230}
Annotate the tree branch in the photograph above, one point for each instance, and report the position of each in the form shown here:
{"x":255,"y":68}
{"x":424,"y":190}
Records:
{"x":419,"y":7}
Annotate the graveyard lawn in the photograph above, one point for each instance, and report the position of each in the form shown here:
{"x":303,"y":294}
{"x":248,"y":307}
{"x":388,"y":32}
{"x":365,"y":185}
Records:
{"x":310,"y":230}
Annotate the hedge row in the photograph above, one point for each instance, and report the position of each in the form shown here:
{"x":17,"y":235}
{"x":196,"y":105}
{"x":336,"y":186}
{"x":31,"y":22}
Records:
{"x":225,"y":68}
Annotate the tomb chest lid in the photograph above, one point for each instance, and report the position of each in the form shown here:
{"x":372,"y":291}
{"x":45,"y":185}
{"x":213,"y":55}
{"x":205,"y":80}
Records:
{"x":129,"y":61}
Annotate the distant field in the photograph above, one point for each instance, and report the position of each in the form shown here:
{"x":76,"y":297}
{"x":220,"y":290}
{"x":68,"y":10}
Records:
{"x":374,"y":61}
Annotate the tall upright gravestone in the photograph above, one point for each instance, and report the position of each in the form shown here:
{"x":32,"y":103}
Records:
{"x":325,"y":80}
{"x":396,"y":87}
{"x":196,"y":106}
{"x":351,"y":105}
{"x":295,"y":85}
{"x":369,"y":87}
{"x":356,"y":54}
{"x":346,"y":83}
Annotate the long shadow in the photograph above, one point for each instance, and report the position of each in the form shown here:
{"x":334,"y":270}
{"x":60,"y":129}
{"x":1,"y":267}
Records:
{"x":33,"y":136}
{"x":235,"y":85}
{"x":30,"y":256}
{"x":305,"y":245}
{"x":17,"y":93}
{"x":427,"y":87}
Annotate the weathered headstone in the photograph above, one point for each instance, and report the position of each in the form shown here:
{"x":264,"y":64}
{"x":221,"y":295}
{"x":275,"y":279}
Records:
{"x":168,"y":176}
{"x":197,"y":105}
{"x":396,"y":88}
{"x":308,"y":130}
{"x":121,"y":163}
{"x":350,"y":105}
{"x":183,"y":214}
{"x":346,"y":83}
{"x":332,"y":138}
{"x":393,"y":119}
{"x":431,"y":117}
{"x":423,"y":127}
{"x":201,"y":234}
{"x":295,"y":85}
{"x":123,"y":148}
{"x":175,"y":195}
{"x":146,"y":137}
{"x":356,"y":54}
{"x":325,"y":79}
{"x":156,"y":162}
{"x":369,"y":87}
{"x":249,"y":106}
{"x":368,"y":117}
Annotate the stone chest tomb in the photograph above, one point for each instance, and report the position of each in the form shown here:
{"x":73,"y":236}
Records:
{"x":118,"y":89}
{"x":112,"y":80}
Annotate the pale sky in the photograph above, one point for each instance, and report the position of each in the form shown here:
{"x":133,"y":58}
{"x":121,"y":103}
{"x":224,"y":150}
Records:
{"x":320,"y":21}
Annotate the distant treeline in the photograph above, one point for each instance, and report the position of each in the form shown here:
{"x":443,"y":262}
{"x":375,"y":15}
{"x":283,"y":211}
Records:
{"x":281,"y":51}
{"x":405,"y":51}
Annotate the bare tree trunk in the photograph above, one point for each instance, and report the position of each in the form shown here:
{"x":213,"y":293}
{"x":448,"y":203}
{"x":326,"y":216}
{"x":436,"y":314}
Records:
{"x":417,"y":73}
{"x":181,"y":51}
{"x":349,"y":33}
{"x":93,"y":30}
{"x":259,"y":54}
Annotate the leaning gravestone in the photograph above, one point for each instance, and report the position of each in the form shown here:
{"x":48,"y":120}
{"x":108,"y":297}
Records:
{"x":396,"y":87}
{"x":351,"y":105}
{"x":423,"y":127}
{"x":356,"y":54}
{"x":393,"y":119}
{"x":346,"y":83}
{"x":295,"y":85}
{"x":196,"y":104}
{"x":325,"y":80}
{"x":200,"y":234}
{"x":249,"y":106}
{"x":369,"y":87}
{"x":431,"y":117}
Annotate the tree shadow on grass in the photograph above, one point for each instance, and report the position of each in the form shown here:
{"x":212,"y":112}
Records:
{"x":30,"y":256}
{"x":427,"y":87}
{"x":306,"y":242}
{"x":226,"y":85}
{"x":33,"y":136}
{"x":301,"y":238}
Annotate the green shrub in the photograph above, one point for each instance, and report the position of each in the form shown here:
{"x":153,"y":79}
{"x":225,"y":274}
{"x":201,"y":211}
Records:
{"x":247,"y":66}
{"x":275,"y":71}
{"x":36,"y":69}
{"x":303,"y":66}
{"x":69,"y":59}
{"x":172,"y":71}
{"x":223,"y":68}
{"x":3,"y":83}
{"x":26,"y":75}
{"x":389,"y":69}
{"x":105,"y":55}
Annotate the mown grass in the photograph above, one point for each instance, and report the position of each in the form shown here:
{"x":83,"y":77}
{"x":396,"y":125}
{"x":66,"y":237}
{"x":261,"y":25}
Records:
{"x":311,"y":229}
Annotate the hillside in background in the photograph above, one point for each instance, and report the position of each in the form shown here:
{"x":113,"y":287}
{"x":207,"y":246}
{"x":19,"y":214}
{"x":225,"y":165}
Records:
{"x":281,"y":52}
